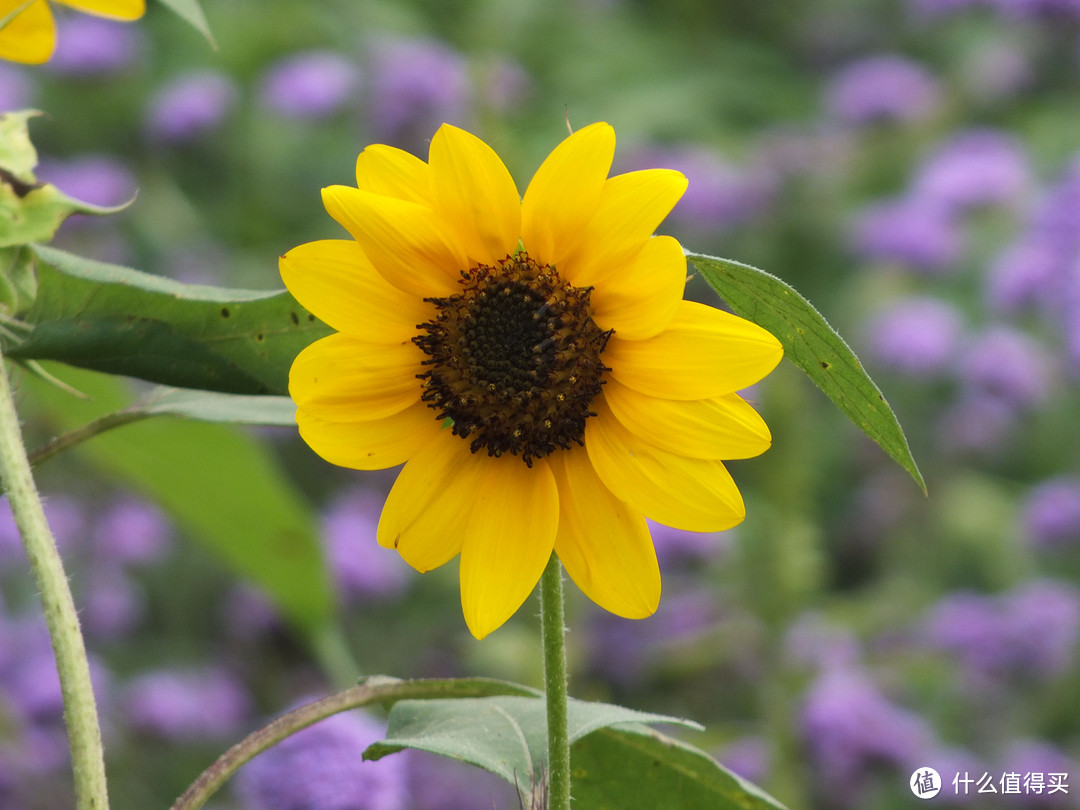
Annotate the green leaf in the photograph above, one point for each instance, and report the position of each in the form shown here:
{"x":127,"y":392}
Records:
{"x":210,"y":406}
{"x":191,"y":12}
{"x":221,"y":485}
{"x":114,"y":319}
{"x":18,"y":282}
{"x":505,"y":735}
{"x":812,"y":345}
{"x":636,"y":766}
{"x":17,"y":153}
{"x":30,"y":211}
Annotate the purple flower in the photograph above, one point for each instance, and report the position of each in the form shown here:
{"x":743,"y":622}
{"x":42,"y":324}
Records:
{"x":112,"y":605}
{"x":916,"y":336}
{"x":1043,"y":620}
{"x":882,"y":88}
{"x":438,"y":783}
{"x":416,"y":85}
{"x":311,"y":84}
{"x":188,"y":705}
{"x":940,"y":7}
{"x":677,"y":546}
{"x":28,"y":678}
{"x":95,"y":179}
{"x":190,"y":106}
{"x":361,"y":568}
{"x":1057,"y":218}
{"x":132,"y":532}
{"x":624,"y":650}
{"x":719,"y":195}
{"x":16,"y":88}
{"x":909,"y":231}
{"x":1051,"y":512}
{"x":92,"y":46}
{"x":1028,"y":757}
{"x":1026,"y":274}
{"x":65,"y":518}
{"x":956,"y":763}
{"x":978,"y":423}
{"x":749,"y":757}
{"x":1030,"y":631}
{"x":848,"y":726}
{"x":973,"y":168}
{"x":814,"y":642}
{"x":1008,"y":364}
{"x":321,"y":768}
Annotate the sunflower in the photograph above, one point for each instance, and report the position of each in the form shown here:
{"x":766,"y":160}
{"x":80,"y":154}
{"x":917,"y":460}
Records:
{"x":532,"y":363}
{"x":29,"y":34}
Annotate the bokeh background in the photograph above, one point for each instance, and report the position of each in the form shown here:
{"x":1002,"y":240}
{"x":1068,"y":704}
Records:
{"x":911,"y":166}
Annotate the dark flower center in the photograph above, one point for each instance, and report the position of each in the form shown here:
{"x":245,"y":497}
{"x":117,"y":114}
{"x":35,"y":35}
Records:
{"x":514,"y":359}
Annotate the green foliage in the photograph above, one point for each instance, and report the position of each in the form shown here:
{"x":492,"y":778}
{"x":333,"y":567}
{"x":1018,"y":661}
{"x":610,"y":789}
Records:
{"x":113,"y":319}
{"x":812,"y":345}
{"x":507,"y":736}
{"x":18,"y":282}
{"x":191,"y":12}
{"x":30,"y":211}
{"x":636,"y":766}
{"x":221,"y":485}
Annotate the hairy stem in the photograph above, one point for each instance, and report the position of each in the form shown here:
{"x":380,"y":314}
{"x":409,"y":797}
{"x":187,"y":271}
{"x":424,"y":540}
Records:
{"x":80,"y":710}
{"x":553,"y":630}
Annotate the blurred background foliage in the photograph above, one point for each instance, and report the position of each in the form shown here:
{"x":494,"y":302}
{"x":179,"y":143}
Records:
{"x":911,"y":166}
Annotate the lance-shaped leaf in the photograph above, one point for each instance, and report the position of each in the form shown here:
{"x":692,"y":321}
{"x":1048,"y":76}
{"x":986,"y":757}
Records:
{"x":812,"y":345}
{"x":117,"y":320}
{"x":30,"y":211}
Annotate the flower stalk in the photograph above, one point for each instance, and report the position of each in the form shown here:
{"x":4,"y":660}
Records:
{"x":553,"y":631}
{"x":80,"y":709}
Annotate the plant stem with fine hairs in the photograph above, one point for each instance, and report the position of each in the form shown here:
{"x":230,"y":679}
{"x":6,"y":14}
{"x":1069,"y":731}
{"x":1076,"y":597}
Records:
{"x":80,"y":710}
{"x":553,"y":631}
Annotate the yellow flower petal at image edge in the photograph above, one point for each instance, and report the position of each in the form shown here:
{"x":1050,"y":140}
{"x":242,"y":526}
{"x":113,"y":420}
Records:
{"x":30,"y":33}
{"x":448,"y":279}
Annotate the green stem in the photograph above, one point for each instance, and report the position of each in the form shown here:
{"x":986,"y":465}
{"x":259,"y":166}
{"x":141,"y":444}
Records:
{"x":80,"y":711}
{"x":553,"y":630}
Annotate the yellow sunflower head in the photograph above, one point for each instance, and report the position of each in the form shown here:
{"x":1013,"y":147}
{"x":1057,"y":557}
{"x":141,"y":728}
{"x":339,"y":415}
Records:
{"x":532,"y":363}
{"x":28,"y":30}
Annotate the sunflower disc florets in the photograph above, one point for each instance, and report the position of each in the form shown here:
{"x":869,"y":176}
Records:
{"x":514,"y":359}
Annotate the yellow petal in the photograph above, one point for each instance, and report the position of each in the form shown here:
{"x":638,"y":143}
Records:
{"x":704,"y":352}
{"x":563,"y":194}
{"x":30,"y":36}
{"x":426,"y":516}
{"x":393,"y":172}
{"x":474,"y":193}
{"x":406,"y":242}
{"x":372,"y":445}
{"x":695,"y":494}
{"x":342,"y":379}
{"x":336,"y":282}
{"x":724,"y":427}
{"x":630,"y":208}
{"x":515,"y":514}
{"x":642,"y":298}
{"x":603,"y":543}
{"x":118,"y":9}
